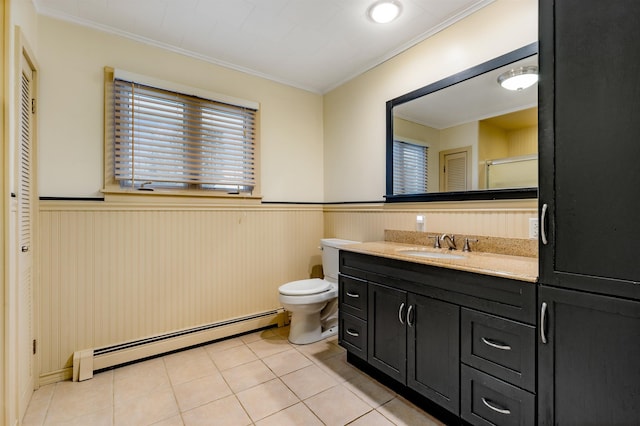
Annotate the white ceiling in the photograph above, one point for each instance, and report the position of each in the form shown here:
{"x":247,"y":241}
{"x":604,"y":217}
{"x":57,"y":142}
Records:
{"x":315,"y":45}
{"x":475,"y":99}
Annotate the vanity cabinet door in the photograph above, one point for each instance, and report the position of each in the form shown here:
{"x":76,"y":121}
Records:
{"x":589,"y":359}
{"x":387,"y":330}
{"x":433,"y":333}
{"x":589,"y":98}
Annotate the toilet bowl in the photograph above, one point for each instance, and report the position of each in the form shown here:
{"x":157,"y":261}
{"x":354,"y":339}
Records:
{"x":313,"y":303}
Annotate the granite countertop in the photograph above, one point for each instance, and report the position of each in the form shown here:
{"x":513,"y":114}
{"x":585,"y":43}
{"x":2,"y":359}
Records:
{"x":500,"y":265}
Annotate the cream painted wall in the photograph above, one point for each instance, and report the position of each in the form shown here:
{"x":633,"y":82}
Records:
{"x":71,"y":146}
{"x":354,"y":113}
{"x":409,"y":131}
{"x":523,"y":141}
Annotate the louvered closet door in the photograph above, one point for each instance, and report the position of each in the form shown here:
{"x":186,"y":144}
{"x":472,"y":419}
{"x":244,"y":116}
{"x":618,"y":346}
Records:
{"x":455,"y":171}
{"x":25,"y":240}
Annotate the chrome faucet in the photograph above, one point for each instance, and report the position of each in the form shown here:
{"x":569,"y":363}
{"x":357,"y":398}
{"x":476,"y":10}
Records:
{"x":450,"y":240}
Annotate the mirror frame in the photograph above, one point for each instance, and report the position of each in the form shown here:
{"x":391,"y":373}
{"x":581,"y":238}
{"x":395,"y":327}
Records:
{"x":481,"y":194}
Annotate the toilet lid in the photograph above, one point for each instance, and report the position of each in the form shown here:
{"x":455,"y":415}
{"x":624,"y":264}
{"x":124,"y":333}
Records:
{"x":305,"y":287}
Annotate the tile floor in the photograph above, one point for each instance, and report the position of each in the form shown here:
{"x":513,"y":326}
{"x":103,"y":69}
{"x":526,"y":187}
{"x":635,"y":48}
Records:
{"x":254,"y":379}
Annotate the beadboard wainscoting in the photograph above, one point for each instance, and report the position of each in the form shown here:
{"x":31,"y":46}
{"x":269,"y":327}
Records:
{"x":367,"y":222}
{"x":114,"y":272}
{"x":111,"y":273}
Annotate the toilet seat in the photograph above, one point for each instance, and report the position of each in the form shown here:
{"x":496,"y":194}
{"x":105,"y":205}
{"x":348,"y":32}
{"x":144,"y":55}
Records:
{"x":305,"y":287}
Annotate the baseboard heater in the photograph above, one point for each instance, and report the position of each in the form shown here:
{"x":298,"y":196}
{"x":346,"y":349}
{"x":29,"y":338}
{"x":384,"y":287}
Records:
{"x":86,"y":361}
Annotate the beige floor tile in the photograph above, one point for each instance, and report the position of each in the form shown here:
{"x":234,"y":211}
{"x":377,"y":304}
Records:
{"x":372,"y":418}
{"x":320,"y":350}
{"x":171,"y":421}
{"x":286,"y":362}
{"x":308,"y":381}
{"x":189,"y":365}
{"x":283,"y":332}
{"x":295,"y":415}
{"x":338,"y":367}
{"x":38,"y":406}
{"x":75,"y":399}
{"x":147,"y":409}
{"x":247,"y":375}
{"x":337,"y":406}
{"x":223,"y":345}
{"x":370,"y":391}
{"x":233,"y":357}
{"x":201,"y":391}
{"x":402,"y":412}
{"x":265,"y":399}
{"x":265,"y":347}
{"x":226,"y":411}
{"x":103,"y":417}
{"x":136,"y":380}
{"x":258,"y":335}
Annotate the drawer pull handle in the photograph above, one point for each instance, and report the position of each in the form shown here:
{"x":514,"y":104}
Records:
{"x":496,"y":409}
{"x":354,"y":295}
{"x":495,"y":344}
{"x":352,"y":333}
{"x":400,"y":311}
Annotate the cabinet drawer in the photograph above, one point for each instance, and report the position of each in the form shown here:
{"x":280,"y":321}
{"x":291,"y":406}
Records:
{"x":500,"y":347}
{"x":353,"y":296}
{"x":353,"y":335}
{"x":486,"y":400}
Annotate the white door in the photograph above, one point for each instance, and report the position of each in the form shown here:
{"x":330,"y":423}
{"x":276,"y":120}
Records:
{"x":25,"y":358}
{"x":455,"y":171}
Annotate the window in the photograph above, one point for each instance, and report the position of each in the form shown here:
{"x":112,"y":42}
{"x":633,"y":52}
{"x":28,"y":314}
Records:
{"x":409,"y":168}
{"x":171,"y":140}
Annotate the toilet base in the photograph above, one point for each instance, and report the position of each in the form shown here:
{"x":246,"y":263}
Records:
{"x":305,"y":328}
{"x":332,"y":331}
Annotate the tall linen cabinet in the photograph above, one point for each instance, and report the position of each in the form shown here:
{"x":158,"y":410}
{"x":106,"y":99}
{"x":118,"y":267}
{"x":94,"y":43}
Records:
{"x":589,"y":294}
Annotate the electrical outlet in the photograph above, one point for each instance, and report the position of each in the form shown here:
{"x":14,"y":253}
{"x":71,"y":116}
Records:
{"x":533,"y":228}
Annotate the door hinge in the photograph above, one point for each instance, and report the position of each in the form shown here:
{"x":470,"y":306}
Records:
{"x":35,"y":345}
{"x":33,"y":106}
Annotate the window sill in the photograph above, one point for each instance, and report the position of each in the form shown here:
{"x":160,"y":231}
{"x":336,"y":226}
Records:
{"x":159,"y":195}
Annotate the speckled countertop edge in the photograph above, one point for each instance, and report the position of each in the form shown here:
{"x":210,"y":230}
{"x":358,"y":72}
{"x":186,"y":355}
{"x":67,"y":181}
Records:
{"x":500,"y":265}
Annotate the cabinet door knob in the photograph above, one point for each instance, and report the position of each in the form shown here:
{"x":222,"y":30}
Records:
{"x":495,"y":344}
{"x":495,"y":408}
{"x":352,"y":333}
{"x":354,"y":295}
{"x":543,"y":322}
{"x":400,"y":313}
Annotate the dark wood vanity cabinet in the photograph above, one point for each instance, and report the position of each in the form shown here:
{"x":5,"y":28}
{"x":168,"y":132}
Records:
{"x":589,"y":362}
{"x":464,"y":341}
{"x":589,"y":298}
{"x":415,"y":340}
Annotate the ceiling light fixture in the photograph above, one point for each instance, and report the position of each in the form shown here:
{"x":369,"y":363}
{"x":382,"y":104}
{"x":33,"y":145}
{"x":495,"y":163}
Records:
{"x":519,"y":78}
{"x":384,"y":11}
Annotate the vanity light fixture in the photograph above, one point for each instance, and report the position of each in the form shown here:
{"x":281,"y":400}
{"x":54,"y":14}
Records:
{"x":384,"y":11}
{"x":519,"y":78}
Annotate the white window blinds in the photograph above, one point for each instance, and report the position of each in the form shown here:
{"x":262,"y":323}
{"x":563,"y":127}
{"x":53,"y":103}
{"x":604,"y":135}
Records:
{"x":409,"y":168}
{"x":166,"y":139}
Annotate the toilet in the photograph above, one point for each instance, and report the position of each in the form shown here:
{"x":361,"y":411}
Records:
{"x":313,"y":303}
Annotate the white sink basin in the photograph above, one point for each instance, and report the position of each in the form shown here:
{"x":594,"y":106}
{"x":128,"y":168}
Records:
{"x":430,"y":254}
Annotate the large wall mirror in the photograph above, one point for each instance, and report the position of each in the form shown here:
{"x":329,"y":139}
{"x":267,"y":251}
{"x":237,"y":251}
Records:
{"x":466,"y":137}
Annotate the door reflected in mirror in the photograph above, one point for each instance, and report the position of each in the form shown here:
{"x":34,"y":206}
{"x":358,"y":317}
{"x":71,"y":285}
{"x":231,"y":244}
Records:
{"x":465,"y":136}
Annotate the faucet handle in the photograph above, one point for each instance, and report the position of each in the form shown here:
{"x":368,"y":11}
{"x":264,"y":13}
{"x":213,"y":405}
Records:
{"x":467,"y":247}
{"x":436,"y":243}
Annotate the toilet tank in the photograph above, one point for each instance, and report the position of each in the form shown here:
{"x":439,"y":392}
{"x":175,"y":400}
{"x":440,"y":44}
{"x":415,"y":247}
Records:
{"x":330,"y":248}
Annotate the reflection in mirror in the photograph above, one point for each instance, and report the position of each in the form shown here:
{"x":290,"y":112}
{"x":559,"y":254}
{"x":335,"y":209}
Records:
{"x":465,"y":137}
